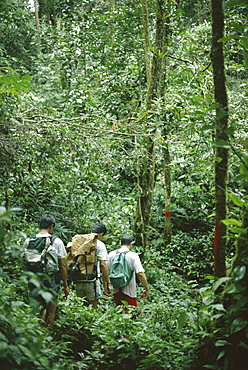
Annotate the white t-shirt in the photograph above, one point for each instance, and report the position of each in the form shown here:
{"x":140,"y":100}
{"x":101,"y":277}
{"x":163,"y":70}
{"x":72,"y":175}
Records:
{"x":134,"y":263}
{"x":101,"y":253}
{"x":57,"y":244}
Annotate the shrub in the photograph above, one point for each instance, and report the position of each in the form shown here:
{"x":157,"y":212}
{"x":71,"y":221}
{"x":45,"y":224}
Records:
{"x":189,"y":255}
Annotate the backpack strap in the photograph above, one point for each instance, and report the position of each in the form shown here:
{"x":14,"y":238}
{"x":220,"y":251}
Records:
{"x":51,"y":238}
{"x":31,"y":237}
{"x":118,"y":251}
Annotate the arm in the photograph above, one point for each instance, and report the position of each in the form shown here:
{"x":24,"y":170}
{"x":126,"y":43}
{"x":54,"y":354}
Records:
{"x":63,"y":273}
{"x":105,"y":275}
{"x":143,"y":280}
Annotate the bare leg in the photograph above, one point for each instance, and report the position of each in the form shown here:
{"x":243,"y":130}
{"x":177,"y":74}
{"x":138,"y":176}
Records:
{"x":43,"y":313}
{"x":50,"y":316}
{"x":94,"y":303}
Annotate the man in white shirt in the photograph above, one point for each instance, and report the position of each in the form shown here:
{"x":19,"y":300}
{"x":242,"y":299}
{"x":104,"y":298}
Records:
{"x":92,"y":290}
{"x":46,"y":225}
{"x":129,"y":292}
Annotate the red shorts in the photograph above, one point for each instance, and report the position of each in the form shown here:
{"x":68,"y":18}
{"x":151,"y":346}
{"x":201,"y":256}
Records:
{"x":120,"y":296}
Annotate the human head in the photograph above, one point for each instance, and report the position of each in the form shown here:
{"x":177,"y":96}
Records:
{"x":126,"y":239}
{"x":99,"y":228}
{"x":46,"y":221}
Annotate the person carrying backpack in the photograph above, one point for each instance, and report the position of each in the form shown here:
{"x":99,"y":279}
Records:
{"x":127,"y":292}
{"x":91,"y":290}
{"x":44,"y":254}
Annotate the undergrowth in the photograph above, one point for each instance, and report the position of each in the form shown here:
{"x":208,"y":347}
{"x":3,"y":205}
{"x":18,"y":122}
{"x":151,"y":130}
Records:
{"x":163,"y":332}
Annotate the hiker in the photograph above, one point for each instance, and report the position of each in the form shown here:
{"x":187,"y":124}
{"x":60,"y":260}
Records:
{"x":53,"y":283}
{"x":92,"y":290}
{"x":128,"y":293}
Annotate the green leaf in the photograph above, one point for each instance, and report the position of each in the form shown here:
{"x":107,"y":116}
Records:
{"x":208,"y":127}
{"x":14,"y":84}
{"x":220,"y":355}
{"x":237,"y":230}
{"x":48,"y":297}
{"x":232,"y":221}
{"x":219,"y":307}
{"x":239,"y":272}
{"x":3,"y":346}
{"x":232,"y":289}
{"x":244,"y":169}
{"x":218,"y":159}
{"x":230,"y":131}
{"x":238,"y":324}
{"x":26,"y":351}
{"x":221,"y":343}
{"x":16,"y":353}
{"x":246,"y":61}
{"x":221,"y":114}
{"x":210,"y":277}
{"x":212,"y":215}
{"x":181,"y":320}
{"x":241,"y":302}
{"x":210,"y":367}
{"x":233,"y":3}
{"x":218,"y":315}
{"x":236,"y":200}
{"x":35,"y":282}
{"x":220,"y":281}
{"x":244,"y":42}
{"x":222,"y":144}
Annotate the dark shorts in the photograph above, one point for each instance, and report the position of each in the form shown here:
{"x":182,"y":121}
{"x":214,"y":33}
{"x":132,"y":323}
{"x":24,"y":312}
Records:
{"x":120,"y":296}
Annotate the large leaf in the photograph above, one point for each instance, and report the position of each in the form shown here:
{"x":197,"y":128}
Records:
{"x":232,"y":221}
{"x":222,"y":144}
{"x":182,"y":320}
{"x":236,"y":200}
{"x":238,"y":324}
{"x":220,"y":281}
{"x":239,"y":272}
{"x":233,"y":3}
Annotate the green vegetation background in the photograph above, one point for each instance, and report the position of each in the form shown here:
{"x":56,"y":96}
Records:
{"x":71,"y":141}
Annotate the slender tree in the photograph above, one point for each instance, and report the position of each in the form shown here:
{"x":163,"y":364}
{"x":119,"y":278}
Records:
{"x":221,"y":151}
{"x":155,"y":91}
{"x":167,"y":181}
{"x":236,"y":322}
{"x":37,"y":24}
{"x":147,"y":41}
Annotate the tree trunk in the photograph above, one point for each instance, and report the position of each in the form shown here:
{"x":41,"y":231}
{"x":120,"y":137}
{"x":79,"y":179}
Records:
{"x":154,"y":91}
{"x":231,"y":327}
{"x":237,"y":304}
{"x":37,"y":24}
{"x":145,"y":181}
{"x":163,"y":40}
{"x":221,"y":153}
{"x":147,"y":41}
{"x":167,"y":181}
{"x":161,"y":46}
{"x":157,"y":84}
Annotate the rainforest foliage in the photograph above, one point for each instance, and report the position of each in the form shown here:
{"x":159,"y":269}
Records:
{"x":119,"y":112}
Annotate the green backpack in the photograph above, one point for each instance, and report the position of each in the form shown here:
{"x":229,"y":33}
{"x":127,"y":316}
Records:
{"x":120,"y":273}
{"x":40,"y":256}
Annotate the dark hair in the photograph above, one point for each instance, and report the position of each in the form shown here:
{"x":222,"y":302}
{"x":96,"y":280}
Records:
{"x":126,"y":239}
{"x":98,"y":228}
{"x":46,"y":221}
